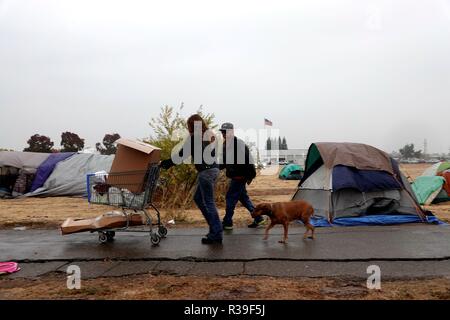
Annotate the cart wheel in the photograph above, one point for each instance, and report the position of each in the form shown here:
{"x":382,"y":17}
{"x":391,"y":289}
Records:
{"x":155,"y":239}
{"x":110,"y":235}
{"x":162,"y":231}
{"x":102,"y":237}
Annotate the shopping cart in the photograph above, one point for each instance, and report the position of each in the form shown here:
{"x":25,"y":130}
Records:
{"x":132,"y":191}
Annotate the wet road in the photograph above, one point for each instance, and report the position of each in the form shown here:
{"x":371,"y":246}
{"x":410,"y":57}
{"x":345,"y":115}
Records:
{"x":395,"y":243}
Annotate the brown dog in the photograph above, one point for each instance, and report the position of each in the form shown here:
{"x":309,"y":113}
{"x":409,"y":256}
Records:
{"x":285,"y":212}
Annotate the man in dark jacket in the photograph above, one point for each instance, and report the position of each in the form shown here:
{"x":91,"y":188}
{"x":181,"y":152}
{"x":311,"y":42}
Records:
{"x":240,"y":168}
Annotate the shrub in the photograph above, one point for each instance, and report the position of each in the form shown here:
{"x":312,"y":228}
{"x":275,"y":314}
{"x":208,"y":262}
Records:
{"x":178,"y":184}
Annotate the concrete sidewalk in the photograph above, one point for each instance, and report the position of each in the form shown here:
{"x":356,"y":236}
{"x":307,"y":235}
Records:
{"x":273,"y":268}
{"x":406,"y":251}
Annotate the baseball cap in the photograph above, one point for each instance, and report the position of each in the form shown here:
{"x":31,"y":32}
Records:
{"x":226,"y":126}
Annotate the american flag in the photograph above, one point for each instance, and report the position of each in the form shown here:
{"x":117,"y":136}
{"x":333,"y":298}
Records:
{"x":267,"y":122}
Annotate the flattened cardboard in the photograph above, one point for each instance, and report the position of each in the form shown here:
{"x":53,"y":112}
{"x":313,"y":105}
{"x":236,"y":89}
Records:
{"x":110,"y":220}
{"x":133,"y":155}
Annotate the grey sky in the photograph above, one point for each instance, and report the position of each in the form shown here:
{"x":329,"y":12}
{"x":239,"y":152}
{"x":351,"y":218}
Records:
{"x":376,"y":72}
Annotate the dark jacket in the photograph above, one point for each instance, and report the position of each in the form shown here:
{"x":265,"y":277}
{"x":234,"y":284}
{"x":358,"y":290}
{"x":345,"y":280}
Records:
{"x":190,"y":146}
{"x":238,"y":163}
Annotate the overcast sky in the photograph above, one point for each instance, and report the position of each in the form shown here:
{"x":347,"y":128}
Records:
{"x":376,"y":72}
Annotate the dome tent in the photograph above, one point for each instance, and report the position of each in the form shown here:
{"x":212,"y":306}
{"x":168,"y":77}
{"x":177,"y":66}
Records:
{"x":428,"y":188}
{"x":437,"y":168}
{"x":433,"y":185}
{"x":291,"y":171}
{"x":355,"y":180}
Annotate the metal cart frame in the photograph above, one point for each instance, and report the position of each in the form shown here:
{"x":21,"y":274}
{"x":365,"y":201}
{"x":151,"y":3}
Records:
{"x":132,"y":191}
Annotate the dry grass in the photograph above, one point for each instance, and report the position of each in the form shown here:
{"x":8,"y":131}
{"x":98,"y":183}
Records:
{"x":413,"y":170}
{"x":51,"y":212}
{"x":239,"y":287}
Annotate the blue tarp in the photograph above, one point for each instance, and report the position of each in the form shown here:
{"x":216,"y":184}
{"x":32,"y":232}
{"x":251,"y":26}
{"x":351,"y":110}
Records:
{"x":46,"y":168}
{"x":373,"y":220}
{"x":362,"y":180}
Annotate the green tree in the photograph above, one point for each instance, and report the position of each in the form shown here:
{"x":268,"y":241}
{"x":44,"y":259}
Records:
{"x":408,"y":152}
{"x":269,"y":144}
{"x":71,"y":142}
{"x":39,"y":143}
{"x":109,"y":145}
{"x":284,"y":145}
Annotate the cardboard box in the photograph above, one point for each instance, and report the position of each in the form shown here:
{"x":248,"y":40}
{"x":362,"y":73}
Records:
{"x":110,"y":220}
{"x":132,"y":155}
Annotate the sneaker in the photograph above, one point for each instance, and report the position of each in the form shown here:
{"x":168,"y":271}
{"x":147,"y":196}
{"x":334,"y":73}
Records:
{"x":211,"y":241}
{"x":227,"y":226}
{"x":256,"y":224}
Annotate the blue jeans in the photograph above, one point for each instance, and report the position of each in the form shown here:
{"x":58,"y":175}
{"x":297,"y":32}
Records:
{"x":237,"y":191}
{"x":204,"y":199}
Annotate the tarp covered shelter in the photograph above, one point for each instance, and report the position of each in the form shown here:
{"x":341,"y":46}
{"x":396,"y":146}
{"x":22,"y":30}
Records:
{"x":355,"y":180}
{"x":46,"y":168}
{"x":69,"y":176}
{"x":291,"y":171}
{"x":433,"y":185}
{"x":27,"y":162}
{"x":17,"y":171}
{"x":48,"y":174}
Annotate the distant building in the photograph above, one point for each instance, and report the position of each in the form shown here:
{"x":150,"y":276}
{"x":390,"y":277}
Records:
{"x":297,"y":156}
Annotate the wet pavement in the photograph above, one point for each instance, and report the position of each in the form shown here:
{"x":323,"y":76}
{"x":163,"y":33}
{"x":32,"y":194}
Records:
{"x":274,"y":268}
{"x":410,"y":251}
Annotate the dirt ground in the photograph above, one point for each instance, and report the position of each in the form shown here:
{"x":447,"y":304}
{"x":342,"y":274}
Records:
{"x":166,"y":287}
{"x":51,"y":212}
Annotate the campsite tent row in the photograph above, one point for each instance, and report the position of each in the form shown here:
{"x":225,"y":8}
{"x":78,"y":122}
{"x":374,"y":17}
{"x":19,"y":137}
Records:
{"x":48,"y":174}
{"x":341,"y":180}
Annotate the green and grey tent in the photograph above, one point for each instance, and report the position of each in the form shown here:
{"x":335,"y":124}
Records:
{"x":427,"y":188}
{"x":433,"y":185}
{"x":291,"y":171}
{"x":437,"y":168}
{"x":353,"y":180}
